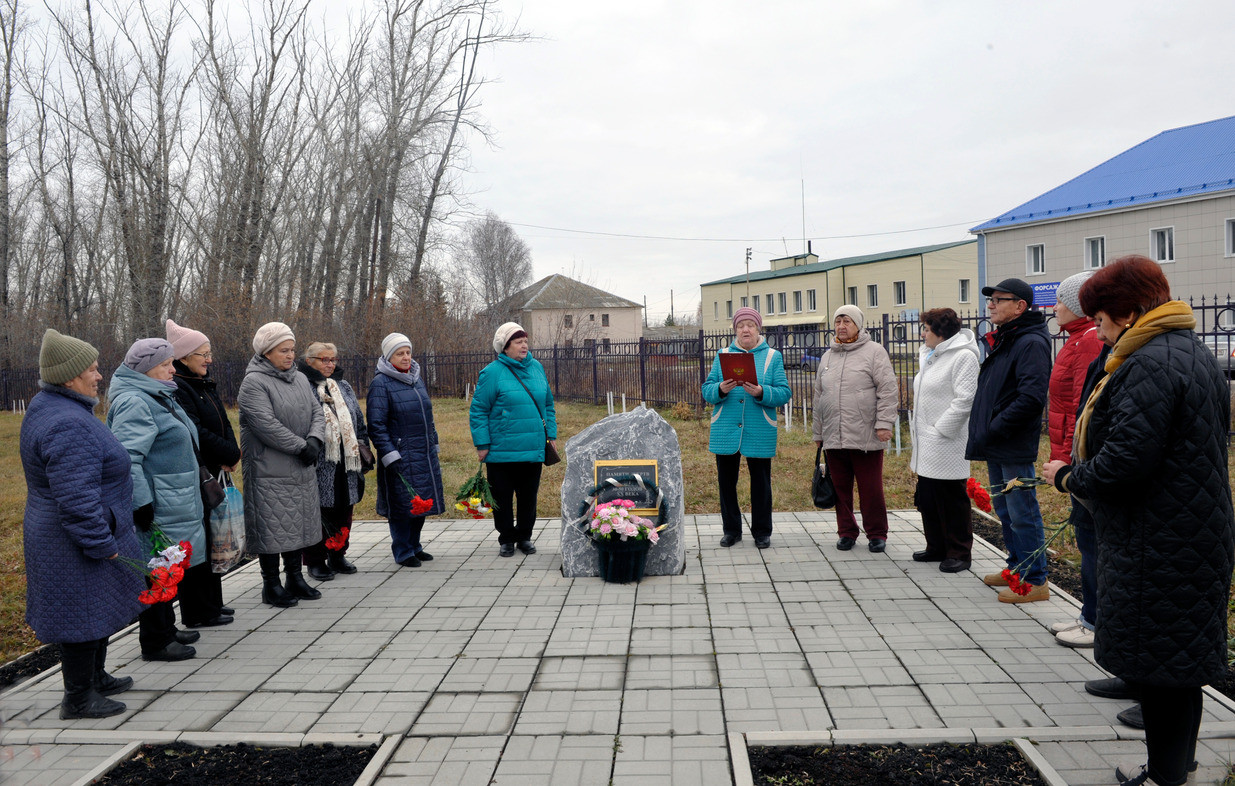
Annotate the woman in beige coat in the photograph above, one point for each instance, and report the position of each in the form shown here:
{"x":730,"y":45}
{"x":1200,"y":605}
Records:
{"x":855,"y":412}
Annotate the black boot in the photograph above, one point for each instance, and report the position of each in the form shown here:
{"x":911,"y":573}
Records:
{"x":339,"y":564}
{"x":272,"y":588}
{"x":296,"y":585}
{"x":81,"y":700}
{"x":104,"y":683}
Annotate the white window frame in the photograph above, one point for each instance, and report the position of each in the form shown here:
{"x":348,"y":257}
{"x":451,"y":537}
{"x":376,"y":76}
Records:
{"x":1035,"y":259}
{"x":853,"y":296}
{"x":755,"y":304}
{"x":812,"y":304}
{"x":745,"y":302}
{"x":1230,"y":238}
{"x":797,"y":301}
{"x":963,"y":289}
{"x":1090,"y":243}
{"x":770,"y":302}
{"x":782,"y":303}
{"x":604,"y":320}
{"x":716,"y":309}
{"x":900,"y":293}
{"x":1167,"y":234}
{"x":872,"y":295}
{"x":729,"y":309}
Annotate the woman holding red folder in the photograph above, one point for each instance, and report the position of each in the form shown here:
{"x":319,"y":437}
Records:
{"x":744,"y":424}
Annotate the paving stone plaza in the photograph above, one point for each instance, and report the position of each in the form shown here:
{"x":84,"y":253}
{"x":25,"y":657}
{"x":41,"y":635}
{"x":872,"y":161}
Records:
{"x":475,"y":669}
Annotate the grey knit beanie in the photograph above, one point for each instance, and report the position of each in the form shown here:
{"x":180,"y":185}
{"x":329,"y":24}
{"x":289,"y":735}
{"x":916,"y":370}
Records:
{"x":391,"y":344}
{"x":1069,"y":292}
{"x":62,"y":358}
{"x":146,"y":353}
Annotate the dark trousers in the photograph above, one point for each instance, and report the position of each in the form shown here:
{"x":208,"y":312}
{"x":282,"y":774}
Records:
{"x":1172,"y":722}
{"x":760,"y":469}
{"x":866,"y":467}
{"x":333,"y":520}
{"x":944,"y":506}
{"x":81,"y":666}
{"x":514,"y":484}
{"x":156,"y":627}
{"x":201,"y":589}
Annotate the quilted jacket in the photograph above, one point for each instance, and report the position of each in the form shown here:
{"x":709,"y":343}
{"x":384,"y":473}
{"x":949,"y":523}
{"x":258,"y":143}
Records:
{"x":199,"y":398}
{"x":401,"y":424}
{"x":278,"y":413}
{"x":856,"y":394}
{"x":741,"y":424}
{"x":162,"y":445}
{"x":943,"y":392}
{"x":1005,"y":423}
{"x":328,"y":471}
{"x":504,"y":418}
{"x":79,"y":512}
{"x":1157,"y":483}
{"x":1067,"y":380}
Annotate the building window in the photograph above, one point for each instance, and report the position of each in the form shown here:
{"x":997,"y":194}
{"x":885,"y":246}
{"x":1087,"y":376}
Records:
{"x":755,"y":302}
{"x":810,"y":300}
{"x":745,"y":302}
{"x":604,"y":320}
{"x":604,"y":345}
{"x":568,"y":321}
{"x":591,"y":318}
{"x":899,"y":293}
{"x":1163,"y":242}
{"x":1035,"y":260}
{"x":589,"y":342}
{"x":1095,"y":252}
{"x":853,"y":296}
{"x":728,"y":309}
{"x":771,"y":306}
{"x":781,"y":304}
{"x":1230,"y":237}
{"x":963,"y":294}
{"x":797,"y":302}
{"x":872,"y":295}
{"x":715,"y":309}
{"x":570,"y":342}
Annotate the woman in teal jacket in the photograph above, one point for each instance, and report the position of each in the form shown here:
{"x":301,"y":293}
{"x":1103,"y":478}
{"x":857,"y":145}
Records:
{"x":511,"y":418}
{"x":744,"y":424}
{"x":162,"y":445}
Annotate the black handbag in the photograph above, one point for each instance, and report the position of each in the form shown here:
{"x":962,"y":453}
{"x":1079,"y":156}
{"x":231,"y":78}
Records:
{"x":212,"y":490}
{"x":821,"y":489}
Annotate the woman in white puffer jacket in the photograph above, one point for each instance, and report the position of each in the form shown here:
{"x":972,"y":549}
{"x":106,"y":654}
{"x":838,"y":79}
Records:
{"x":943,"y":391}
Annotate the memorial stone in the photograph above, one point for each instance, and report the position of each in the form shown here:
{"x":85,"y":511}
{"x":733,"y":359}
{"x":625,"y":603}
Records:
{"x":638,"y":434}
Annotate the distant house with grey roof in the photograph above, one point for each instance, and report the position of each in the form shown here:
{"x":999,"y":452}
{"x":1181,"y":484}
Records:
{"x":559,"y":310}
{"x":1171,"y":198}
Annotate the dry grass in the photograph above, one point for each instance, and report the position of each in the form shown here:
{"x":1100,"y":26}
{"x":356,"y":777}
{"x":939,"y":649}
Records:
{"x":791,"y":473}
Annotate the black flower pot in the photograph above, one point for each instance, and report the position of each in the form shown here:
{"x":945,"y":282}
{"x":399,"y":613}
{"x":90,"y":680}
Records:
{"x":622,"y":561}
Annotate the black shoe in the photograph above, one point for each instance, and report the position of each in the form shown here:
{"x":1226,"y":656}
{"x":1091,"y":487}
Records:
{"x":410,"y":562}
{"x":728,"y":540}
{"x":527,"y":547}
{"x":91,"y":705}
{"x":844,"y":544}
{"x":877,"y":546}
{"x":273,"y":594}
{"x":187,"y":636}
{"x":425,"y":556}
{"x":107,"y":685}
{"x":228,"y":611}
{"x":215,"y":622}
{"x":1111,"y":688}
{"x":954,"y":565}
{"x":339,"y":564}
{"x":172,"y":652}
{"x":927,"y":556}
{"x":321,"y":572}
{"x":1133,"y":716}
{"x":763,"y":543}
{"x":507,"y":550}
{"x":297,"y":587}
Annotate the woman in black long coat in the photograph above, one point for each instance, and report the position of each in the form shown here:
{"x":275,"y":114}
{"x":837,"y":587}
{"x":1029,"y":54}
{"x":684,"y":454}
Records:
{"x":1151,"y":463}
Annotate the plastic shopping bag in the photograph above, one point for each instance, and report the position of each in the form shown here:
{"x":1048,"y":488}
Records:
{"x":227,"y":528}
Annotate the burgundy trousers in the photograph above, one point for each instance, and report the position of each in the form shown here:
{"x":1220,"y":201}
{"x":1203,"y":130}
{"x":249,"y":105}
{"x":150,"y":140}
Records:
{"x":866,"y":467}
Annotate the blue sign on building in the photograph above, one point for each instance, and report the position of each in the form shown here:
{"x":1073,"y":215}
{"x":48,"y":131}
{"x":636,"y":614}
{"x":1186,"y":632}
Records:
{"x":1044,"y":294}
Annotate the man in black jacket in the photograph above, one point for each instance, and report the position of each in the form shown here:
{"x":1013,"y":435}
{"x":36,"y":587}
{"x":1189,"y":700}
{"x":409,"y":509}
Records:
{"x":1005,"y":426}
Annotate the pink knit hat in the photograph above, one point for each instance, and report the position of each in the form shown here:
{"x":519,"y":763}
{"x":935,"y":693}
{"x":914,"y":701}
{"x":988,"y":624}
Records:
{"x":746,"y":312}
{"x":184,"y":340}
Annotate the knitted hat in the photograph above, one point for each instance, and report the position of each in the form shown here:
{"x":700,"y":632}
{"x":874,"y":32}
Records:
{"x":1069,"y":292}
{"x":271,"y":335}
{"x":393,"y":342}
{"x":61,"y":358}
{"x":853,"y":312}
{"x":146,"y":353}
{"x":746,"y":312}
{"x":184,"y":340}
{"x":507,"y":332}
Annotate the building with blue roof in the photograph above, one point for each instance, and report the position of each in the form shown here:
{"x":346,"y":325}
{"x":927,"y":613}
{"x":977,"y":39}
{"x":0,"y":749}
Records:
{"x":1171,"y":198}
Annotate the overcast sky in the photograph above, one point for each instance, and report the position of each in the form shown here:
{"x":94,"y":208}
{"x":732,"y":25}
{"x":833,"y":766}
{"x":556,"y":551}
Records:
{"x":904,"y":123}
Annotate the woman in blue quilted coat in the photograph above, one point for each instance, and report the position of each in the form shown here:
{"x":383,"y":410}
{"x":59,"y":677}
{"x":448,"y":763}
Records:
{"x":1151,"y":464}
{"x":744,"y":424}
{"x":162,"y":444}
{"x":78,"y":523}
{"x":511,"y":418}
{"x":402,"y":429}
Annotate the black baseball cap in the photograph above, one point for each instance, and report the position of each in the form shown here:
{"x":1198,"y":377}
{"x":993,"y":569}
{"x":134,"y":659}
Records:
{"x":1013,"y":286}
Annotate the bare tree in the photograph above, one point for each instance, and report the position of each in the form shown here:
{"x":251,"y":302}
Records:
{"x":499,"y":261}
{"x":11,"y":25}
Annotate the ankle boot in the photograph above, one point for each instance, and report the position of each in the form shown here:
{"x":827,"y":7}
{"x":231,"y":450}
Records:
{"x":272,"y":588}
{"x":104,"y":683}
{"x":81,"y":700}
{"x":296,"y":585}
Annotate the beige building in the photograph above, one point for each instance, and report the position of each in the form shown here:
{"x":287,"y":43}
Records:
{"x":1171,"y":198}
{"x":559,"y":310}
{"x":800,"y":293}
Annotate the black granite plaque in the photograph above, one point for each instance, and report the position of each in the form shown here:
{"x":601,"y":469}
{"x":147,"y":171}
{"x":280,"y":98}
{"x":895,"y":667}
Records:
{"x":644,"y":499}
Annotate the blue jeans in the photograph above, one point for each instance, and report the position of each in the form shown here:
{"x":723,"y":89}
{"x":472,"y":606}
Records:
{"x":1022,"y":521}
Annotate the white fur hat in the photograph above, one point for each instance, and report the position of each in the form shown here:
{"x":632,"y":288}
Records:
{"x":271,"y":335}
{"x":392,"y":343}
{"x":505,"y":332}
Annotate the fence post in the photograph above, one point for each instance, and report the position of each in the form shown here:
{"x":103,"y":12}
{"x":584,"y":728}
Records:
{"x":643,"y":369}
{"x":595,"y":376}
{"x":556,"y":386}
{"x":703,"y":373}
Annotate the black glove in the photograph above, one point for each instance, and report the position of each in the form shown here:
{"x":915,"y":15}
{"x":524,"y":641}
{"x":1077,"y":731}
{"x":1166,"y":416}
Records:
{"x":143,"y":517}
{"x":311,"y":450}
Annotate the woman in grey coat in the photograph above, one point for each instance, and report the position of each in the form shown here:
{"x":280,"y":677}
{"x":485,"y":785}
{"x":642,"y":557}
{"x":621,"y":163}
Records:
{"x":281,"y":433}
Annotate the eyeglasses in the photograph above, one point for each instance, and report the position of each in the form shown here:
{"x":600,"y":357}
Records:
{"x":331,"y":361}
{"x":1001,"y":299}
{"x":203,"y":355}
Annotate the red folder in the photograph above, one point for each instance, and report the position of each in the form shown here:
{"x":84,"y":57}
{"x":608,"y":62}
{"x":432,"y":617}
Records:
{"x":739,"y":366}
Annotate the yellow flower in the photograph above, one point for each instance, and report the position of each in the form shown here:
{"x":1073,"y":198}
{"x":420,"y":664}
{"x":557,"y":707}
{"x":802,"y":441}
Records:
{"x":460,"y":506}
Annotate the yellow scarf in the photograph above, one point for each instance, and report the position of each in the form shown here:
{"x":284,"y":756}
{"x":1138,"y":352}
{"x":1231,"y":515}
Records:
{"x":1172,"y":315}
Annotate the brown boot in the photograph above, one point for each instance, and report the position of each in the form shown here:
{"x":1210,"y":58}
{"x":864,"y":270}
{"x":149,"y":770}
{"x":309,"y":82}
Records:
{"x":1038,"y":592}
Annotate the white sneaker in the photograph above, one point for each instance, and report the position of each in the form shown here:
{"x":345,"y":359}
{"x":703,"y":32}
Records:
{"x":1060,"y":627}
{"x":1079,"y":637}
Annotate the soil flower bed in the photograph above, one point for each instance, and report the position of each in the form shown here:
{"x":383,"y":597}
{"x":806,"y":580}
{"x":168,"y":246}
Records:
{"x":188,"y":765}
{"x":893,"y":765}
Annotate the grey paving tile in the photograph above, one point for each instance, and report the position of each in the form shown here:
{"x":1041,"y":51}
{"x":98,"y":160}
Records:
{"x":983,"y":705}
{"x":787,"y":669}
{"x":926,"y":666}
{"x":688,"y":759}
{"x":671,"y":671}
{"x":406,"y":675}
{"x":756,"y":639}
{"x":413,"y":643}
{"x":424,"y":761}
{"x":171,"y":711}
{"x":611,"y":640}
{"x":554,"y":760}
{"x":842,"y":668}
{"x":671,"y":641}
{"x":508,"y":643}
{"x":51,"y":765}
{"x":267,"y":712}
{"x":348,"y":644}
{"x":569,"y":712}
{"x":775,"y":709}
{"x":488,"y":675}
{"x":463,"y":714}
{"x":316,"y":674}
{"x":672,"y":615}
{"x":891,"y":707}
{"x":581,"y":673}
{"x":355,"y":712}
{"x":675,"y":711}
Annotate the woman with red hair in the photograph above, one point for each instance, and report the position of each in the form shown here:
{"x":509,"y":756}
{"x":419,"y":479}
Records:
{"x":1151,"y":465}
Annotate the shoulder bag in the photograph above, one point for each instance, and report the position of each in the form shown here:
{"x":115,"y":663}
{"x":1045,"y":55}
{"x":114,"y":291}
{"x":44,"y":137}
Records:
{"x":551,"y":455}
{"x":822,"y":491}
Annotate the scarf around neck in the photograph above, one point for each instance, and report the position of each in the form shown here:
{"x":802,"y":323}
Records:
{"x":1172,"y":315}
{"x":340,"y":440}
{"x":410,"y":376}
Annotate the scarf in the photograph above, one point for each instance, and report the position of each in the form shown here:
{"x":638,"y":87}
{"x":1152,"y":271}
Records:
{"x":1172,"y":315}
{"x":341,"y":442}
{"x":410,"y":376}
